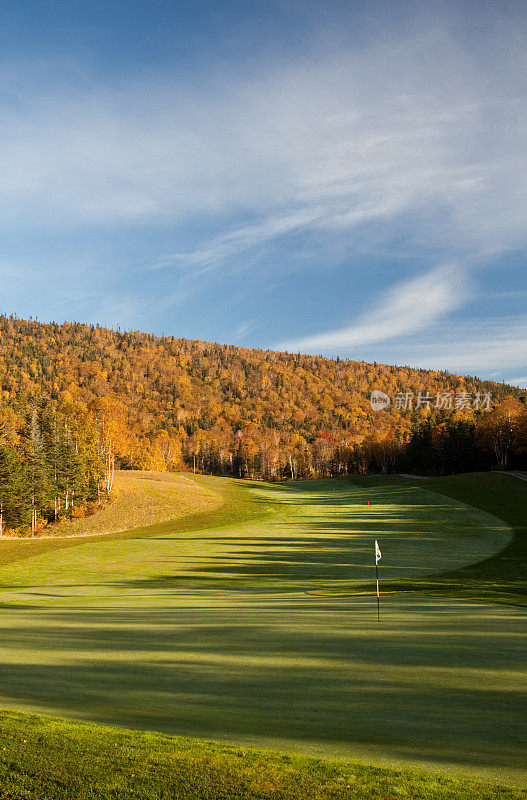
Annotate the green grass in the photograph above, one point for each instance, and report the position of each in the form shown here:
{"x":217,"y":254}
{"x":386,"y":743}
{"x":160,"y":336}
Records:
{"x":204,"y":627}
{"x":139,"y":498}
{"x":502,"y":577}
{"x":286,"y":537}
{"x":52,"y":758}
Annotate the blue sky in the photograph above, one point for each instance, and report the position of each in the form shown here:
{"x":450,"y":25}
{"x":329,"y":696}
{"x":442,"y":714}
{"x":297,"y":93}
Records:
{"x":340,"y":178}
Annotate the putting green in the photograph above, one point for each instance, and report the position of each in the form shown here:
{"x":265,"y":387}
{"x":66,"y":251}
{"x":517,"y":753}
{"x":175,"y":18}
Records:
{"x":205,"y":630}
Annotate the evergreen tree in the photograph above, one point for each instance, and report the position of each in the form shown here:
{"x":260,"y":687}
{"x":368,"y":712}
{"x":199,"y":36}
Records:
{"x":14,"y":490}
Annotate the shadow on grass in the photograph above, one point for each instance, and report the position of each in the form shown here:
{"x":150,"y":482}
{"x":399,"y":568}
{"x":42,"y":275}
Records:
{"x":418,"y":538}
{"x":503,"y":575}
{"x":297,"y":673}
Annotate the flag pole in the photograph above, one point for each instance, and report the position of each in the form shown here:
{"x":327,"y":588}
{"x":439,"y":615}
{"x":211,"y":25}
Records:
{"x":377,"y":558}
{"x":378,"y":598}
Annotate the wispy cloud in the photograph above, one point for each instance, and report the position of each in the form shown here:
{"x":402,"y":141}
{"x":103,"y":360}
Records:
{"x":496,"y":348}
{"x":413,"y":324}
{"x":419,"y":132}
{"x":205,"y":258}
{"x":406,"y":308}
{"x":241,"y":331}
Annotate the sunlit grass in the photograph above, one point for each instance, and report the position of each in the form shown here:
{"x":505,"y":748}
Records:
{"x":139,"y":499}
{"x":53,"y":758}
{"x":502,"y":576}
{"x":291,"y":537}
{"x":144,"y":498}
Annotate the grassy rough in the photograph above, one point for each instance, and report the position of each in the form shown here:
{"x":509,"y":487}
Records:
{"x":54,"y":759}
{"x":144,"y":498}
{"x":140,"y":499}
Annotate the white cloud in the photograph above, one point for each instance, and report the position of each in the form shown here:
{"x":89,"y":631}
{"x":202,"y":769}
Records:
{"x":207,"y":257}
{"x":406,"y":308}
{"x":410,"y":325}
{"x":495,"y":349}
{"x":416,"y":133}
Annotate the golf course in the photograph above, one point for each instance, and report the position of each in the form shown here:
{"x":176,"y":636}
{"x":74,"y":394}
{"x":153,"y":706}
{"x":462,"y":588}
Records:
{"x":240,"y":614}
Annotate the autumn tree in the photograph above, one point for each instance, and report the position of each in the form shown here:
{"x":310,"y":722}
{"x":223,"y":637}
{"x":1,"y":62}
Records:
{"x":504,"y":430}
{"x":133,"y":400}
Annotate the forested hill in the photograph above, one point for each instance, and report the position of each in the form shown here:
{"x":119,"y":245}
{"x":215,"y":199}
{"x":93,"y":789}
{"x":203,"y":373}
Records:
{"x":164,"y":402}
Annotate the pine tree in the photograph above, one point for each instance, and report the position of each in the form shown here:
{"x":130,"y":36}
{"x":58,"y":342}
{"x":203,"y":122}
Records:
{"x":14,"y":490}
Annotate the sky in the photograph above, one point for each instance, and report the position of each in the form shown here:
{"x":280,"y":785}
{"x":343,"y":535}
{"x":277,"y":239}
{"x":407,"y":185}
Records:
{"x":339,"y":178}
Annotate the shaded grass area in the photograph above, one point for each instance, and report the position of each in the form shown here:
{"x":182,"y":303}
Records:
{"x":197,"y":626}
{"x":437,"y":684}
{"x":305,"y":535}
{"x":54,"y":758}
{"x":502,"y":577}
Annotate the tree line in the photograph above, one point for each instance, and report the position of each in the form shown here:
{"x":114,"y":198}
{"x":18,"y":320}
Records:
{"x":444,"y":444}
{"x":438,"y":443}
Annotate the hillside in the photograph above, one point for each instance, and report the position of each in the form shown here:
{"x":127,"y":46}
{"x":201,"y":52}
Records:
{"x":166,"y":402}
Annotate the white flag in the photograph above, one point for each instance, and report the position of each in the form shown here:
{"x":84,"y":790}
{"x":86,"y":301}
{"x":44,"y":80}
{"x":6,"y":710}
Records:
{"x":377,"y":552}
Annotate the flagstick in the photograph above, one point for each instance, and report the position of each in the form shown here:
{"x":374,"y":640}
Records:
{"x":378,"y":599}
{"x":377,"y":557}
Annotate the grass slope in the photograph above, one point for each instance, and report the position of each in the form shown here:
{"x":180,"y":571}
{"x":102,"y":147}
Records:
{"x":52,"y":758}
{"x":139,"y":499}
{"x":144,"y":498}
{"x":201,"y":626}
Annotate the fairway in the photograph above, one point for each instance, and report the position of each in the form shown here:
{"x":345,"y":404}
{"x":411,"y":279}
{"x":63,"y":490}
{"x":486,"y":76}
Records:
{"x":289,"y":536}
{"x":202,"y":626}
